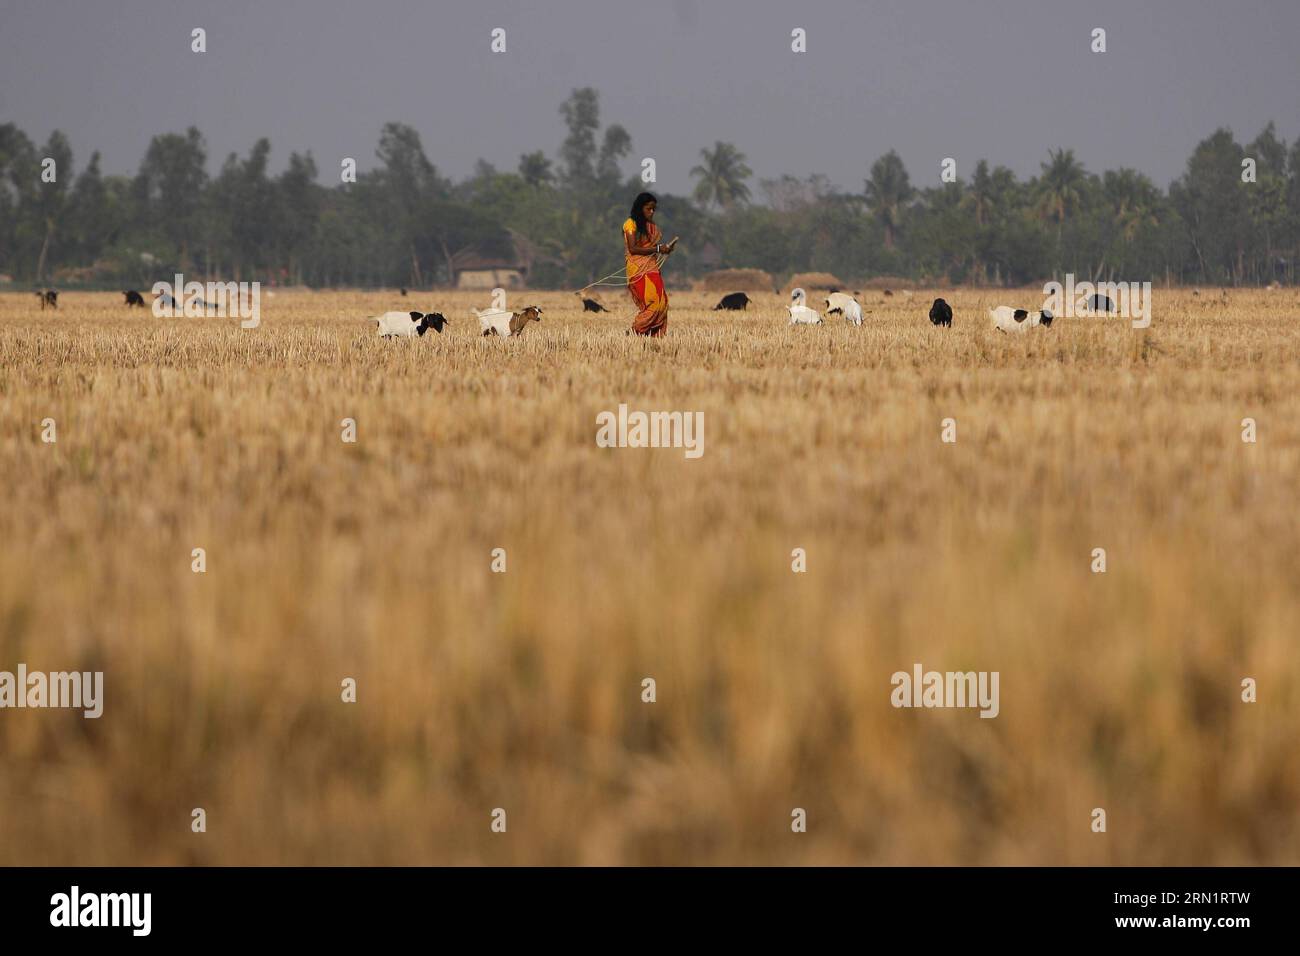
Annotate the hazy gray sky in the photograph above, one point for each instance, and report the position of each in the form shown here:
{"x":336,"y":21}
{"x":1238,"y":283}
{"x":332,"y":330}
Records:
{"x":999,"y":79}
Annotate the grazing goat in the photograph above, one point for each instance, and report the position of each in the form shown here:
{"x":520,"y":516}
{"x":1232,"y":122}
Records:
{"x":504,"y":323}
{"x":591,"y":305}
{"x":800,"y":314}
{"x":845,"y":305}
{"x":182,"y":307}
{"x":941,"y":313}
{"x":1007,"y":319}
{"x":133,"y":298}
{"x":393,"y":325}
{"x":1101,"y":303}
{"x":734,"y":301}
{"x":48,"y":297}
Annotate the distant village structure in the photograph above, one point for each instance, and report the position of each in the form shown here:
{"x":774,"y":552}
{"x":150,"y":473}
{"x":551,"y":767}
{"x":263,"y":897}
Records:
{"x":478,"y":267}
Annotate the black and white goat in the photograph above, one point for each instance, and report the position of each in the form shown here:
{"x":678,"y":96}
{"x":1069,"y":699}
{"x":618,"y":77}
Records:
{"x":1007,"y":319}
{"x":403,"y":325}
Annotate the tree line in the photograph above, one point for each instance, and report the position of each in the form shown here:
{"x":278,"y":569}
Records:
{"x":1232,"y":217}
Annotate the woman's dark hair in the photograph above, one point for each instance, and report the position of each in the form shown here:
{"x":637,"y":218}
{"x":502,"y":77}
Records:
{"x":638,"y":212}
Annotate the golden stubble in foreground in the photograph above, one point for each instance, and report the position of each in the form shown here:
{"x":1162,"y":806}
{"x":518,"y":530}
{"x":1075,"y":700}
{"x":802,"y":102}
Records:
{"x":522,"y":690}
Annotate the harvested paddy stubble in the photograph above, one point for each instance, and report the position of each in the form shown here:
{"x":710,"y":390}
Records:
{"x":522,"y":690}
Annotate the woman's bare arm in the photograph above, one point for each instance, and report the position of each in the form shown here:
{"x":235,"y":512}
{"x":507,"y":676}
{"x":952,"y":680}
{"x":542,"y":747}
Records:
{"x":636,"y":250}
{"x":647,"y":250}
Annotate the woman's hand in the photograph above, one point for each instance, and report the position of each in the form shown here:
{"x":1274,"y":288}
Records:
{"x":668,"y":249}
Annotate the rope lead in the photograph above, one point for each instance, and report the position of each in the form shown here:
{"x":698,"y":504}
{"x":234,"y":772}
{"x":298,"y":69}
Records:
{"x":621,"y":275}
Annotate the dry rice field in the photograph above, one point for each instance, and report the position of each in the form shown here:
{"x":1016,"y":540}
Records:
{"x":522,"y":690}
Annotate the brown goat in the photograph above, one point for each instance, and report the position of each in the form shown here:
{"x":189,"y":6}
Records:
{"x":518,"y":320}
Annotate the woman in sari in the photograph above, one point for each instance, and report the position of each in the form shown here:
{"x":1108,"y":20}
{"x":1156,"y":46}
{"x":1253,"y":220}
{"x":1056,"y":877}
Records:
{"x":641,"y":241}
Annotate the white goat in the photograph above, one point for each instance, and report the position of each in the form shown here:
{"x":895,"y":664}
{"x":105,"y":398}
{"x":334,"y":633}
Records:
{"x":407,"y":324}
{"x":494,"y":320}
{"x":800,"y":314}
{"x":845,"y":305}
{"x":1007,"y":319}
{"x":503,"y":323}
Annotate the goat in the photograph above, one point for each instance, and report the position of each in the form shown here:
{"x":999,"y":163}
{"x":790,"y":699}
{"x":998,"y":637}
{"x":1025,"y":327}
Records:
{"x":1007,"y":319}
{"x":800,"y":314}
{"x":845,"y":305}
{"x":941,"y":313}
{"x":394,"y":325}
{"x":505,"y":323}
{"x":734,"y":301}
{"x":1101,"y":303}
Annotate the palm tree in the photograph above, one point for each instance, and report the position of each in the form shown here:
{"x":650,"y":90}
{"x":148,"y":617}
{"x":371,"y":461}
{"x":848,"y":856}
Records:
{"x":979,"y":196}
{"x":1133,"y":200}
{"x":888,"y":192}
{"x":1060,"y":191}
{"x":722,"y":176}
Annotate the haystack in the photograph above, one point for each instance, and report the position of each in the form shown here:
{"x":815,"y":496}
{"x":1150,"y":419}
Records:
{"x":810,"y":281}
{"x":735,"y":280}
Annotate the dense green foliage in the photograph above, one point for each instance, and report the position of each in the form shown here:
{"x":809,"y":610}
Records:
{"x":403,"y":223}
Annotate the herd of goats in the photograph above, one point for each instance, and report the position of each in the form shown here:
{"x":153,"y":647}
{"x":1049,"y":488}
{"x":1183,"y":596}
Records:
{"x":507,"y":323}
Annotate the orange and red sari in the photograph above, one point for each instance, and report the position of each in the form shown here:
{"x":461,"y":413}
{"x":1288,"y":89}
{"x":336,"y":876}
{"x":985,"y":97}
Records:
{"x":645,"y":285}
